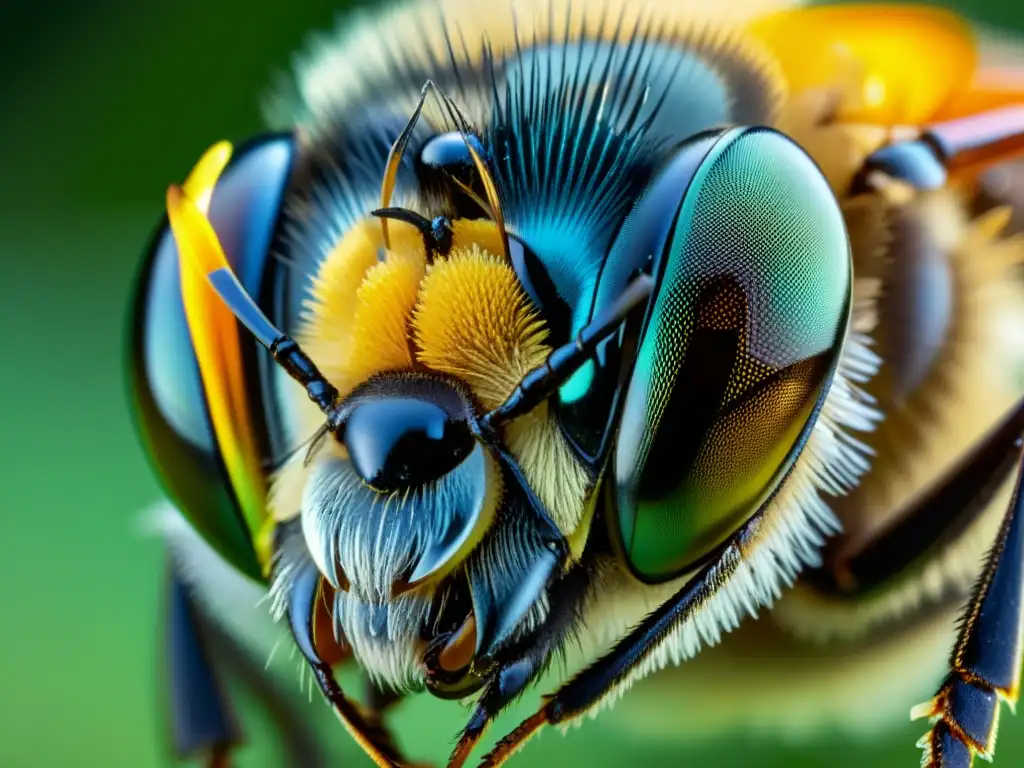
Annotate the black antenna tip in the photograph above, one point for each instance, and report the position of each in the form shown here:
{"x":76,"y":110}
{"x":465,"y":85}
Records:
{"x":418,"y":220}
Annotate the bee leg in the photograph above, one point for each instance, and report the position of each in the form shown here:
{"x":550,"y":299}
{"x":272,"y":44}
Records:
{"x":608,"y":674}
{"x":504,"y":686}
{"x":965,"y":144}
{"x":521,"y":664}
{"x":985,"y":664}
{"x":202,"y":721}
{"x":589,"y":687}
{"x":950,"y":507}
{"x":310,"y":626}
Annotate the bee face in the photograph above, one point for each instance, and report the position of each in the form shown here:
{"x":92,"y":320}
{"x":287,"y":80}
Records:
{"x":421,"y":338}
{"x":389,"y":522}
{"x":415,"y":524}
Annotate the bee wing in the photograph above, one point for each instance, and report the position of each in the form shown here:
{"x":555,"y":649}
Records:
{"x":999,"y":81}
{"x":900,"y":64}
{"x":215,"y":338}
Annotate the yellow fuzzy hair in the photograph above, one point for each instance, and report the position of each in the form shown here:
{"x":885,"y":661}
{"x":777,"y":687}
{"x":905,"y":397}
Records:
{"x":350,"y":283}
{"x":473,"y":321}
{"x":480,"y":232}
{"x":839,"y":149}
{"x":384,"y":304}
{"x":466,"y":315}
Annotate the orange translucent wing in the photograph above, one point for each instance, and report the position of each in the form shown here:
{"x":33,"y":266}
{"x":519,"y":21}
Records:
{"x":215,"y":335}
{"x":992,"y":106}
{"x":998,"y":82}
{"x":990,"y":92}
{"x":910,"y":61}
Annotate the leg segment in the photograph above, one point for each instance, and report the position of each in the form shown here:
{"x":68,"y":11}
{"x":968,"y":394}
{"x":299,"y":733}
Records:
{"x":313,"y":633}
{"x":943,"y":512}
{"x":604,"y":676}
{"x":963,"y":145}
{"x":525,"y":662}
{"x":202,"y":722}
{"x":985,"y":665}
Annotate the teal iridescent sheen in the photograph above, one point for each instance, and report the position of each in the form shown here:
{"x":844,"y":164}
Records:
{"x":740,"y":347}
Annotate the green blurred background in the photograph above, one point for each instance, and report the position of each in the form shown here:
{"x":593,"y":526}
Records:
{"x":104,"y":104}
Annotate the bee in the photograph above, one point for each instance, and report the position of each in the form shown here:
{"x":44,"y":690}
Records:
{"x":583,"y":333}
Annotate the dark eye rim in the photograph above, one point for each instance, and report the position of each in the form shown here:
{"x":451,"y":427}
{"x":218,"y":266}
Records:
{"x":540,"y":288}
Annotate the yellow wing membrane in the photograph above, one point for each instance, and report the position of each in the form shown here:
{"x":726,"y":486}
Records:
{"x":215,"y":335}
{"x":910,"y":61}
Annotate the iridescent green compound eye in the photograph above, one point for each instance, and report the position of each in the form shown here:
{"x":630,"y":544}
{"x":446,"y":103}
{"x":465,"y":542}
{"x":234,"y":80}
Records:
{"x":739,"y":346}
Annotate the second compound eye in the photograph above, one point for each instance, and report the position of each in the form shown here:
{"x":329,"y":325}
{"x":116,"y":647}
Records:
{"x":739,"y":347}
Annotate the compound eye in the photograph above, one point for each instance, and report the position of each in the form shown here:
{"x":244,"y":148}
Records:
{"x":738,"y":352}
{"x":405,"y":437}
{"x":446,"y":171}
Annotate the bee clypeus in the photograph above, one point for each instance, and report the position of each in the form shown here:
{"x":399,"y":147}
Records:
{"x":580,"y":331}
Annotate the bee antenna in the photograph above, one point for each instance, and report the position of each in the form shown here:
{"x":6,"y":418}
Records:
{"x":310,"y":445}
{"x":418,"y":220}
{"x":394,"y":160}
{"x":437,"y":233}
{"x":472,"y":195}
{"x":541,"y":382}
{"x":490,"y":187}
{"x":198,"y":242}
{"x":462,"y":125}
{"x":316,"y":443}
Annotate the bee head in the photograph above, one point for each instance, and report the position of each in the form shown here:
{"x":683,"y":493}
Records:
{"x":432,"y":546}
